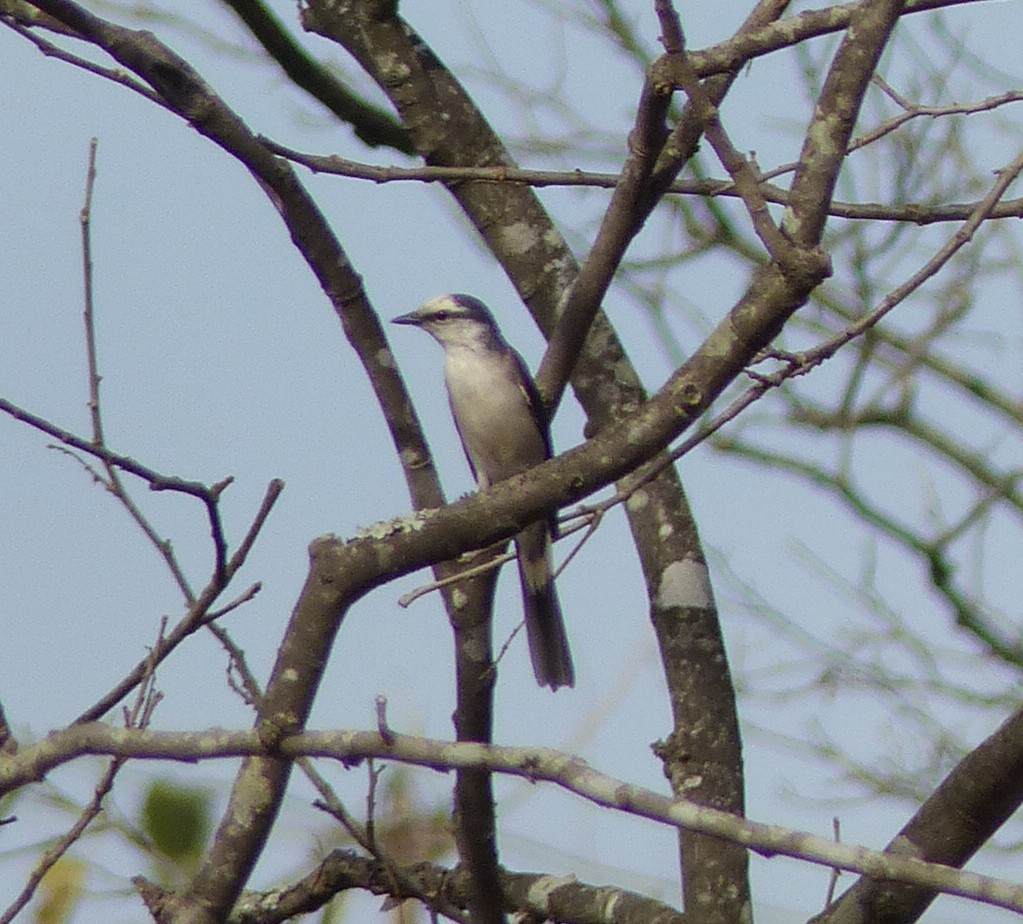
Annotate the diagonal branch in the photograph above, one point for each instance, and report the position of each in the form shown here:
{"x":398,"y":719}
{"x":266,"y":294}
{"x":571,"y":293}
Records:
{"x":370,"y":124}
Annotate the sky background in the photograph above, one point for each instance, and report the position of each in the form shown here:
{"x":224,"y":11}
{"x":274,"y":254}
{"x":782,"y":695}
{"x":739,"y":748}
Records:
{"x":220,"y":356}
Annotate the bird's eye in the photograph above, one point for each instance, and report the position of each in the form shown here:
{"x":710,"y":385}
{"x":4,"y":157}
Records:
{"x":441,"y":315}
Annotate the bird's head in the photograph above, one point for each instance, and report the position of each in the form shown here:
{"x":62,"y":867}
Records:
{"x":455,"y":320}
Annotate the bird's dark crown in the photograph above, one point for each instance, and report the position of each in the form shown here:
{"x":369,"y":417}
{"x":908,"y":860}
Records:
{"x":456,"y":306}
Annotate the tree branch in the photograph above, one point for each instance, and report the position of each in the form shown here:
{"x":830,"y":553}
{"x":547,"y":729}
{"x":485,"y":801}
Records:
{"x":573,"y":775}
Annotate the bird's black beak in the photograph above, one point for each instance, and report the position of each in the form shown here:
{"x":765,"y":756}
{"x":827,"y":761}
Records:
{"x":412,"y":319}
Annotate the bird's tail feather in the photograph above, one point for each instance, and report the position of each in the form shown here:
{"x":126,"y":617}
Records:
{"x":545,"y":628}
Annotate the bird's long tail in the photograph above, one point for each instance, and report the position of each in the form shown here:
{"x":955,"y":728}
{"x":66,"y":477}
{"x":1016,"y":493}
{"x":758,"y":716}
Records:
{"x":545,"y":628}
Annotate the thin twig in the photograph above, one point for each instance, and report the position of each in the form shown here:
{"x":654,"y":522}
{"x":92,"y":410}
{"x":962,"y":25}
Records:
{"x":797,"y":364}
{"x":114,"y":74}
{"x":247,"y":687}
{"x":85,"y":219}
{"x":137,"y":717}
{"x":402,"y":876}
{"x":155,"y":480}
{"x":244,"y":597}
{"x":1006,"y":176}
{"x":744,"y":173}
{"x":835,"y":871}
{"x":112,"y":481}
{"x":491,"y":564}
{"x":193,"y":619}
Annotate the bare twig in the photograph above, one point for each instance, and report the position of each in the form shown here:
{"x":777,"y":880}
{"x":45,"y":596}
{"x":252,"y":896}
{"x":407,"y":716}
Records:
{"x":744,"y":173}
{"x":113,"y":481}
{"x":1006,"y":176}
{"x":113,"y":74}
{"x":804,"y":362}
{"x":194,"y":618}
{"x":835,"y":872}
{"x":138,"y":717}
{"x":918,"y":213}
{"x":913,"y":111}
{"x":246,"y":686}
{"x":493,"y":564}
{"x":155,"y":480}
{"x":405,"y":880}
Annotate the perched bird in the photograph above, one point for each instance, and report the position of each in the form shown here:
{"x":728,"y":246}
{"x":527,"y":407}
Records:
{"x":504,"y":432}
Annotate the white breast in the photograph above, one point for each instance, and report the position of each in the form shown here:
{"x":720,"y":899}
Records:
{"x":492,"y":413}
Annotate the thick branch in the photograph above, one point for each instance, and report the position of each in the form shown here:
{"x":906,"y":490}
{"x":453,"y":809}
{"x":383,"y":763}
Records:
{"x":371,"y":125}
{"x":535,"y":895}
{"x":827,"y":137}
{"x":972,"y":802}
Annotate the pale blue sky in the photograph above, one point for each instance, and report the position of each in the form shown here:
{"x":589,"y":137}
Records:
{"x":220,"y":356}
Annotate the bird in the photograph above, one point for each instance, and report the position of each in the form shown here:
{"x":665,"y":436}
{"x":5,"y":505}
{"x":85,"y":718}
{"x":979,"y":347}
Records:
{"x":504,"y":431}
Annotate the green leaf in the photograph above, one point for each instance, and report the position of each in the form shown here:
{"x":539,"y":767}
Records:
{"x":177,"y":819}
